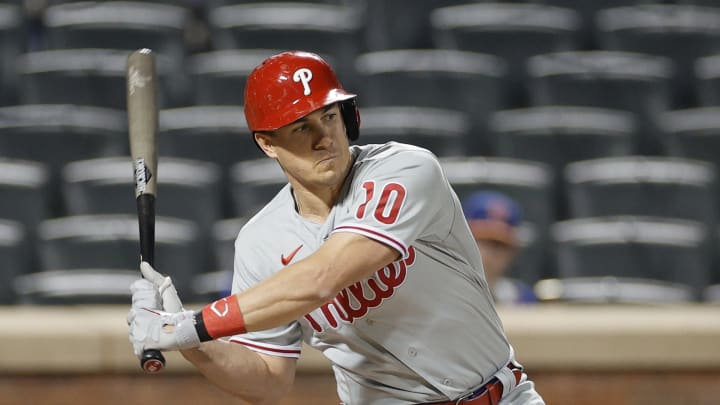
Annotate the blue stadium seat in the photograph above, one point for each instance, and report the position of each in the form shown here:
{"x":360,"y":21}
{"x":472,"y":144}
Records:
{"x":438,"y":78}
{"x":633,"y":82}
{"x":680,"y":32}
{"x":618,"y":252}
{"x":444,"y":132}
{"x":512,"y":31}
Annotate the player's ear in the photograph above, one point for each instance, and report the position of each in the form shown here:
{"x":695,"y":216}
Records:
{"x":264,"y":141}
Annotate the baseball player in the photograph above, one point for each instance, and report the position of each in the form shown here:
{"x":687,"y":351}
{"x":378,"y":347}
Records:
{"x":365,"y":255}
{"x":494,"y":219}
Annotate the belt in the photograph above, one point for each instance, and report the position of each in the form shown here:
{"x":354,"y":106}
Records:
{"x":488,"y":394}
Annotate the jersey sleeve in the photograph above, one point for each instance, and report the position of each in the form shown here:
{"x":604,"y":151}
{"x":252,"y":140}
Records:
{"x":283,"y":341}
{"x":397,"y":199}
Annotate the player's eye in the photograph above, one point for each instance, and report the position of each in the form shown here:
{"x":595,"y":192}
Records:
{"x":301,"y":128}
{"x":330,"y":116}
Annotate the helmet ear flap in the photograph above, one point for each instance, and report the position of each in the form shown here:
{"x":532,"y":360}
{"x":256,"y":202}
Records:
{"x":351,"y":117}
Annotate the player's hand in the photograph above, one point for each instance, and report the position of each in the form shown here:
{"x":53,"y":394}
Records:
{"x":155,"y":329}
{"x":169,"y":299}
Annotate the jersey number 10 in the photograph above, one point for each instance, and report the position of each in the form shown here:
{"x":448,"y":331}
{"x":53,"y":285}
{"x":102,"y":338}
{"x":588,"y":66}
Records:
{"x":387,"y":207}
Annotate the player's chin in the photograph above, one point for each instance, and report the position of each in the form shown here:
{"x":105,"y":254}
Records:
{"x":326,"y":163}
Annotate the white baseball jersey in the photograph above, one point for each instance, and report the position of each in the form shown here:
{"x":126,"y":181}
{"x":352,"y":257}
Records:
{"x":422,"y":329}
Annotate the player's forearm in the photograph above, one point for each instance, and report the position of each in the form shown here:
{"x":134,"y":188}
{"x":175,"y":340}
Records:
{"x":241,"y":372}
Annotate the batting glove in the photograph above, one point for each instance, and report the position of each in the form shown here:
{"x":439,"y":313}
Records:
{"x":169,"y":299}
{"x":153,"y":329}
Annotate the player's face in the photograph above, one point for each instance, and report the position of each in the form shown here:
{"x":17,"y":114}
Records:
{"x":312,"y":150}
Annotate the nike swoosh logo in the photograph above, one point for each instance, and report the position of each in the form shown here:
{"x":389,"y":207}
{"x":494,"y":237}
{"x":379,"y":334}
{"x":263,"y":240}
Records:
{"x":286,"y":260}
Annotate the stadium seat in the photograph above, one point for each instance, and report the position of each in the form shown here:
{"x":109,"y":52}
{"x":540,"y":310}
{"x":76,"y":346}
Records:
{"x":641,"y":185}
{"x":87,"y":77}
{"x":588,"y":10}
{"x":117,"y":25}
{"x":707,"y":85}
{"x":186,"y":189}
{"x":680,"y":32}
{"x":15,"y":258}
{"x":124,"y":26}
{"x":24,"y":190}
{"x":57,"y":134}
{"x":329,"y":30}
{"x":253,"y":184}
{"x":529,"y":183}
{"x":444,"y":132}
{"x":216,"y":134}
{"x":633,"y":82}
{"x":712,"y":294}
{"x":530,"y":263}
{"x":558,"y":135}
{"x":217,"y":283}
{"x":512,"y":31}
{"x":439,"y":78}
{"x":612,"y":290}
{"x":10,"y":47}
{"x":219,"y":77}
{"x":111,"y":242}
{"x":693,"y":133}
{"x":621,"y":251}
{"x":391,"y":24}
{"x":76,"y":286}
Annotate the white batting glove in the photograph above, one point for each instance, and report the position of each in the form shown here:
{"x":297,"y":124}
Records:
{"x":169,"y":299}
{"x":153,"y":329}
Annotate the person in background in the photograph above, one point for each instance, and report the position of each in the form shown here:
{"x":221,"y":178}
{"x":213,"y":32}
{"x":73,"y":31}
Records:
{"x":494,"y":220}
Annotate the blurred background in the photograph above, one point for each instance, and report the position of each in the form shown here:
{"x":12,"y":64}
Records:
{"x":600,"y":118}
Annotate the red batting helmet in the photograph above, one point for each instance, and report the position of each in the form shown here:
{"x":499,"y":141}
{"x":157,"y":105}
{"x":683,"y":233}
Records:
{"x":291,"y":85}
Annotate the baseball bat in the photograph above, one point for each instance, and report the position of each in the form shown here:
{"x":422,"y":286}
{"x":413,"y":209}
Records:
{"x":142,"y":113}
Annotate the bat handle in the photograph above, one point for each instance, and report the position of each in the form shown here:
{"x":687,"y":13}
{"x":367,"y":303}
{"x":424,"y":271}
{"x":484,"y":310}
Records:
{"x":152,"y":361}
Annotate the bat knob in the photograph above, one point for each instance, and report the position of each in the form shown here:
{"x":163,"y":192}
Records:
{"x":152,"y":361}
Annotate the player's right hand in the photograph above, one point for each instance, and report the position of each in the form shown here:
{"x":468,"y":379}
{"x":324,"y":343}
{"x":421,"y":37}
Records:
{"x":169,"y":299}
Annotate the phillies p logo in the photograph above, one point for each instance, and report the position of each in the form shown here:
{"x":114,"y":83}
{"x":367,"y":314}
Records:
{"x":303,"y":75}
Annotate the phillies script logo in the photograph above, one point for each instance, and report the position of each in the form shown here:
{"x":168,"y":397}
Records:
{"x":356,"y":300}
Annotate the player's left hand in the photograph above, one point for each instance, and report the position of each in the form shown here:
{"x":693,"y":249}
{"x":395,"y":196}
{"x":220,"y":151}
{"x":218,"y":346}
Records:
{"x":154,"y":329}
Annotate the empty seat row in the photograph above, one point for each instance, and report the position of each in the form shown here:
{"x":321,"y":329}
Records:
{"x":94,"y":259}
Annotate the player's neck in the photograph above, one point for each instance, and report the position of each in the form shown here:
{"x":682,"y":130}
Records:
{"x":314,"y":202}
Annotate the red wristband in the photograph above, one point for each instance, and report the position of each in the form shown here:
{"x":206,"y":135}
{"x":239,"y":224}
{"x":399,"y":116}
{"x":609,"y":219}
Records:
{"x":223,"y":318}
